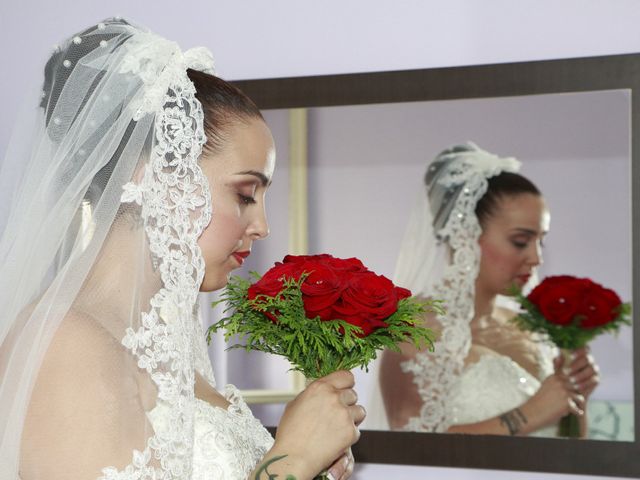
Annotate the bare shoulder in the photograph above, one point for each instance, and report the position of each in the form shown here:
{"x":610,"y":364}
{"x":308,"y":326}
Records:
{"x":79,"y":326}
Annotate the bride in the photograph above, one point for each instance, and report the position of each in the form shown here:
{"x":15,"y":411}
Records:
{"x":141,"y":182}
{"x":477,"y":231}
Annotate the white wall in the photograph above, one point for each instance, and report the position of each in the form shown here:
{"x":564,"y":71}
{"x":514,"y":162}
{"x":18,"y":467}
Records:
{"x":257,"y":39}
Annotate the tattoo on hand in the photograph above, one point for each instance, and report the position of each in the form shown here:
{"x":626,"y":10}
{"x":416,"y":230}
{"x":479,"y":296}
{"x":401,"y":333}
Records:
{"x":513,"y":420}
{"x":271,"y":476}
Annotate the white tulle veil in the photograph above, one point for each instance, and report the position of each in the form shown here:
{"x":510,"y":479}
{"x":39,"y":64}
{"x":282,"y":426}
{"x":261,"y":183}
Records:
{"x":99,"y":265}
{"x":439,"y":258}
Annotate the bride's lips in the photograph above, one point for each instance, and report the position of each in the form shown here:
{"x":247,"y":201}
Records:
{"x":240,"y":256}
{"x":524,"y":278}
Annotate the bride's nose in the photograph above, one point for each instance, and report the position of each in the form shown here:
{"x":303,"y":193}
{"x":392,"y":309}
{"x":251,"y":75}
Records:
{"x":535,"y":254}
{"x":259,"y":227}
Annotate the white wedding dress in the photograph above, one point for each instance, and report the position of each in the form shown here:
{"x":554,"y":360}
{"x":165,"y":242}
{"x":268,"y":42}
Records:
{"x":493,"y":385}
{"x":228,"y":443}
{"x":506,"y":373}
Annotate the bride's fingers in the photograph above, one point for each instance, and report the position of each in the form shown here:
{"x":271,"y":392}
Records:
{"x":588,"y":386}
{"x":339,"y":380}
{"x":338,"y":469}
{"x":350,"y":465}
{"x":576,"y":405}
{"x":358,"y":413}
{"x":348,"y":397}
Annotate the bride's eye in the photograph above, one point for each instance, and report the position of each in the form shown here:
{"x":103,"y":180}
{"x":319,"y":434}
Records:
{"x":520,"y":243}
{"x":246,"y":199}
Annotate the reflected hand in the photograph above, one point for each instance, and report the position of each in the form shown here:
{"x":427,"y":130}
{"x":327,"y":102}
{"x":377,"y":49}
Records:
{"x":582,"y":372}
{"x":554,"y":399}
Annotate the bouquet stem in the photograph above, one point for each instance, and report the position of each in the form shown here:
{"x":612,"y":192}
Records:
{"x":569,"y":425}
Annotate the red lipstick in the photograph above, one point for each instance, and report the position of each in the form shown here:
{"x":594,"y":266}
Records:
{"x":240,"y":256}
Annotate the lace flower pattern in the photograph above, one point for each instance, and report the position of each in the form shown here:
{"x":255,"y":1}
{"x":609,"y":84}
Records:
{"x":175,"y":207}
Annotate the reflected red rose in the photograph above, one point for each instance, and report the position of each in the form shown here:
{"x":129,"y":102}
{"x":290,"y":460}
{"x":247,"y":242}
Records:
{"x":599,"y":305}
{"x":563,"y":299}
{"x":557,"y":298}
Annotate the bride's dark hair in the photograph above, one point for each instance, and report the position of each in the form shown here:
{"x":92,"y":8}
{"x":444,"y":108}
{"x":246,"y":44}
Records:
{"x":223,"y":104}
{"x":505,"y":184}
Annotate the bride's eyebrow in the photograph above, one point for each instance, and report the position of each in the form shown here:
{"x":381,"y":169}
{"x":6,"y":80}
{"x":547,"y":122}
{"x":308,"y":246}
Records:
{"x":527,"y":231}
{"x":264,"y":181}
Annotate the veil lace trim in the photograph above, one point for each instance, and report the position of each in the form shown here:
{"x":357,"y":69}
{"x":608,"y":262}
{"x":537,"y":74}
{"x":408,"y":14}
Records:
{"x":436,"y":372}
{"x":175,"y":206}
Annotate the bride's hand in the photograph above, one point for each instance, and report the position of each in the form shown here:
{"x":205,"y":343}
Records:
{"x":554,"y":399}
{"x":582,"y":371}
{"x":342,"y":469}
{"x":320,"y":424}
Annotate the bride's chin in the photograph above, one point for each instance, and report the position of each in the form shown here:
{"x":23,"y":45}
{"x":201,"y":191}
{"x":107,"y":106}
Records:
{"x":211,"y":285}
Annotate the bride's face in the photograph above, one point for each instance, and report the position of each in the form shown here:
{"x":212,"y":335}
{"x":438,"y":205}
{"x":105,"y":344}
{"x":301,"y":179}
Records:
{"x":239,"y":176}
{"x":511,"y":242}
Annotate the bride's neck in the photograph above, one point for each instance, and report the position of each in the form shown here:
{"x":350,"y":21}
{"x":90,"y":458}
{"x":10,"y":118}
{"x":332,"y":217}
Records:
{"x":122,"y":272}
{"x":484,"y":303}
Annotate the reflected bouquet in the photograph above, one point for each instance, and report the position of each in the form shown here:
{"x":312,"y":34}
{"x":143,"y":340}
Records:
{"x":571,"y":312}
{"x":323,"y":314}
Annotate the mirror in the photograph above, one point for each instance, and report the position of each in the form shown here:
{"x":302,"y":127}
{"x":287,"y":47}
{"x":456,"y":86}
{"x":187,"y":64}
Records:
{"x":547,"y":127}
{"x":366,"y":165}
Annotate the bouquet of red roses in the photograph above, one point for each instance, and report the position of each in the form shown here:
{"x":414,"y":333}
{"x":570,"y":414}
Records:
{"x":323,"y":313}
{"x":571,"y":312}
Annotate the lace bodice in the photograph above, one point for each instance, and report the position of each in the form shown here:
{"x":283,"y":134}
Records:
{"x":493,"y":385}
{"x":490,"y":387}
{"x":228,"y":444}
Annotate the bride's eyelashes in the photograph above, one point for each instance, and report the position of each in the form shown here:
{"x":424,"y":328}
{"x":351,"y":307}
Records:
{"x":522,"y":244}
{"x":246,"y":199}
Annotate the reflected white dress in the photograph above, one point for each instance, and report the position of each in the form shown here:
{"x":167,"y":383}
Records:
{"x":498,"y":381}
{"x":493,"y":385}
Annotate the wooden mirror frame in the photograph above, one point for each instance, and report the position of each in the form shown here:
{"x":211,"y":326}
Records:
{"x":593,"y":457}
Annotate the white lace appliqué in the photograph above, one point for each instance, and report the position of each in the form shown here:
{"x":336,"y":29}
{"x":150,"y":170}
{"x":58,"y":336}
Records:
{"x":169,"y":343}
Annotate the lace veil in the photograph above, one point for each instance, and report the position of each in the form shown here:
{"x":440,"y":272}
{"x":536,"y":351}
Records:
{"x":439,"y":258}
{"x":99,"y":265}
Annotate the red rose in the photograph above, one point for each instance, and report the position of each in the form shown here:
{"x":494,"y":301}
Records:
{"x":547,"y":286}
{"x":334,"y":288}
{"x":320,"y":290}
{"x":368,"y":300}
{"x":338,"y":264}
{"x":272,"y":282}
{"x":557,"y":298}
{"x":599,"y":305}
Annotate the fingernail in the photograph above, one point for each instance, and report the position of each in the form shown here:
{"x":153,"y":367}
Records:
{"x":573,"y":381}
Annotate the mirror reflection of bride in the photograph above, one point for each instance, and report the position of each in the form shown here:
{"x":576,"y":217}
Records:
{"x":477,"y":231}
